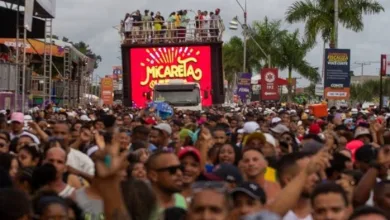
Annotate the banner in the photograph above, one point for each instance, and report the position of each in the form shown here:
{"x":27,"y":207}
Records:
{"x":385,"y":65}
{"x":107,"y":90}
{"x":337,"y":77}
{"x":117,"y":72}
{"x":33,"y":46}
{"x":244,"y":86}
{"x":28,"y":14}
{"x":269,"y":85}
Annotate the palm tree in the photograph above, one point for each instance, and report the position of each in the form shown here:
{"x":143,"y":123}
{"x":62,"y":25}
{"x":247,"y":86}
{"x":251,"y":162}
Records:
{"x":369,"y":90}
{"x":267,"y":34}
{"x":232,"y":58}
{"x":292,"y":52}
{"x":319,"y":16}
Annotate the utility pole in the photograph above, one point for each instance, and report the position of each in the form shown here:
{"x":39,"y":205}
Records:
{"x":245,"y":25}
{"x":365,"y":63}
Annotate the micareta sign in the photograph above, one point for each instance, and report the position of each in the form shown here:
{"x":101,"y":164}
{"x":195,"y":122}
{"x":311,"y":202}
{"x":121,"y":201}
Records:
{"x":153,"y":65}
{"x":337,"y":77}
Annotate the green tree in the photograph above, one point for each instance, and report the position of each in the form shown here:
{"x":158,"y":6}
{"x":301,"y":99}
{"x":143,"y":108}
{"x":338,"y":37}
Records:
{"x":292,"y":52}
{"x":267,"y":34}
{"x":87,"y":51}
{"x":232,"y":58}
{"x":318,"y":16}
{"x":369,"y":90}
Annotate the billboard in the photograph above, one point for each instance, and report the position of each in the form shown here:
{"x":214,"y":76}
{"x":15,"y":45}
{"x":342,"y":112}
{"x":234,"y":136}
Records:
{"x":244,"y":86}
{"x":117,"y":72}
{"x":385,"y":65}
{"x":337,"y":77}
{"x":269,"y":84}
{"x":152,"y":65}
{"x":107,"y":90}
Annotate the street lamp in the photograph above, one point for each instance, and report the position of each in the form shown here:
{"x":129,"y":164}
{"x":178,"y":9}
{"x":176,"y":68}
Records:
{"x":247,"y":31}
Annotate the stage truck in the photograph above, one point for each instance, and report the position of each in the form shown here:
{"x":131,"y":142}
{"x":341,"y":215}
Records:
{"x":186,"y":72}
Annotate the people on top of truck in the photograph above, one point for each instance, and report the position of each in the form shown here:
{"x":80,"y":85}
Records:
{"x":179,"y":26}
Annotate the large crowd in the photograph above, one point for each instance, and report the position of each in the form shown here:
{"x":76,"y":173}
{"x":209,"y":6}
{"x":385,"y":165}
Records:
{"x":179,"y":26}
{"x":254,"y":162}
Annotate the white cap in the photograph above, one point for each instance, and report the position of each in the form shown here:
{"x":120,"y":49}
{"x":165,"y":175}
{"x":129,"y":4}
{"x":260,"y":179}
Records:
{"x":276,"y":120}
{"x":92,"y":150}
{"x":270,"y":139}
{"x":85,"y":118}
{"x":164,"y":127}
{"x":250,"y":127}
{"x":240,"y":131}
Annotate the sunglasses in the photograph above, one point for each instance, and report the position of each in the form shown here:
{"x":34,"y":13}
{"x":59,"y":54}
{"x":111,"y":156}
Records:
{"x":172,"y":169}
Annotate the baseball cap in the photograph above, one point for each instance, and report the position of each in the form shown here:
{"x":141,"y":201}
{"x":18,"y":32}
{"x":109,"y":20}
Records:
{"x":85,"y":118}
{"x":314,"y":129}
{"x":251,"y":189}
{"x":250,"y":127}
{"x":255,"y":135}
{"x":279,"y":129}
{"x":276,"y":120}
{"x":360,"y":131}
{"x":228,"y":173}
{"x":150,"y":121}
{"x":189,"y":150}
{"x":164,"y":127}
{"x":17,"y":117}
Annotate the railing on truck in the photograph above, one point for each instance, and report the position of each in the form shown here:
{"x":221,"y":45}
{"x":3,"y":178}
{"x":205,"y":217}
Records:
{"x":146,"y":32}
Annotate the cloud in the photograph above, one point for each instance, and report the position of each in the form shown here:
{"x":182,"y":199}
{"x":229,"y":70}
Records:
{"x":92,"y":21}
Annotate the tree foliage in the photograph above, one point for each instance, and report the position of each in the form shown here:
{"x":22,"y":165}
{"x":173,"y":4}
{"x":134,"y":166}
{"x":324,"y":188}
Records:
{"x":318,"y":16}
{"x":369,"y":90}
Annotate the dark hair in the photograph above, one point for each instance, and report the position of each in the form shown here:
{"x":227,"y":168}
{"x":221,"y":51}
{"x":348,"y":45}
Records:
{"x":5,"y":179}
{"x":143,"y":130}
{"x":139,"y":145}
{"x":237,"y":154}
{"x":14,"y":204}
{"x":150,"y":163}
{"x":288,"y":161}
{"x":337,"y":164}
{"x":33,"y":151}
{"x":25,"y":175}
{"x":329,"y":187}
{"x":6,"y":161}
{"x":7,"y":135}
{"x":43,"y":199}
{"x":366,"y":210}
{"x":138,"y":202}
{"x":76,"y":209}
{"x":43,"y":175}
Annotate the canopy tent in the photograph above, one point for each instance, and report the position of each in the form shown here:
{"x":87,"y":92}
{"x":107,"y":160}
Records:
{"x":42,"y":8}
{"x":37,"y":46}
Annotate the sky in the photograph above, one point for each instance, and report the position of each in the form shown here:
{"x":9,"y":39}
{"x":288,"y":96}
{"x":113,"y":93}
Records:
{"x":92,"y":21}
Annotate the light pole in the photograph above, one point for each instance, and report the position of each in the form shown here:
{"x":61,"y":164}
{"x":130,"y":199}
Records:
{"x":244,"y":9}
{"x":233,"y":25}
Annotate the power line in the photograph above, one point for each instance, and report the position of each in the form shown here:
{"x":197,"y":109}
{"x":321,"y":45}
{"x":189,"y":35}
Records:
{"x":365,"y":63}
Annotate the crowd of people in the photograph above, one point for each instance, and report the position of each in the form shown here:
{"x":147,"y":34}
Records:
{"x":179,"y":26}
{"x":218,"y":164}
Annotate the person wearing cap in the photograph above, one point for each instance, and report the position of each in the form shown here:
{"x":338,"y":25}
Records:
{"x":17,"y":125}
{"x":363,"y":134}
{"x":248,"y":198}
{"x":229,"y":174}
{"x":254,"y":166}
{"x":191,"y":160}
{"x":160,"y":135}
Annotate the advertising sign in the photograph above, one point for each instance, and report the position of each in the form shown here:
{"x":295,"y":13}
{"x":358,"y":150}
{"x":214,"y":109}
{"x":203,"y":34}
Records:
{"x":150,"y":66}
{"x":269,"y":85}
{"x":117,"y":72}
{"x":385,"y":65}
{"x":337,"y":79}
{"x":107,"y":88}
{"x":244,"y":86}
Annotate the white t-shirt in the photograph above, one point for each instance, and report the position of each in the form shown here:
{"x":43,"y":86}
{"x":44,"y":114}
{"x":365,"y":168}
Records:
{"x":128,"y":24}
{"x":81,"y":162}
{"x":291,"y":216}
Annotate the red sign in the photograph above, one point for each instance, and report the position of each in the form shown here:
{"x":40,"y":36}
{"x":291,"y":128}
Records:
{"x":150,"y":66}
{"x":384,"y":64}
{"x":269,"y":85}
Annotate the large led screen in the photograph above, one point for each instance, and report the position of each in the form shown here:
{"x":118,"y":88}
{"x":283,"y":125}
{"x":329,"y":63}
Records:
{"x":150,"y":66}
